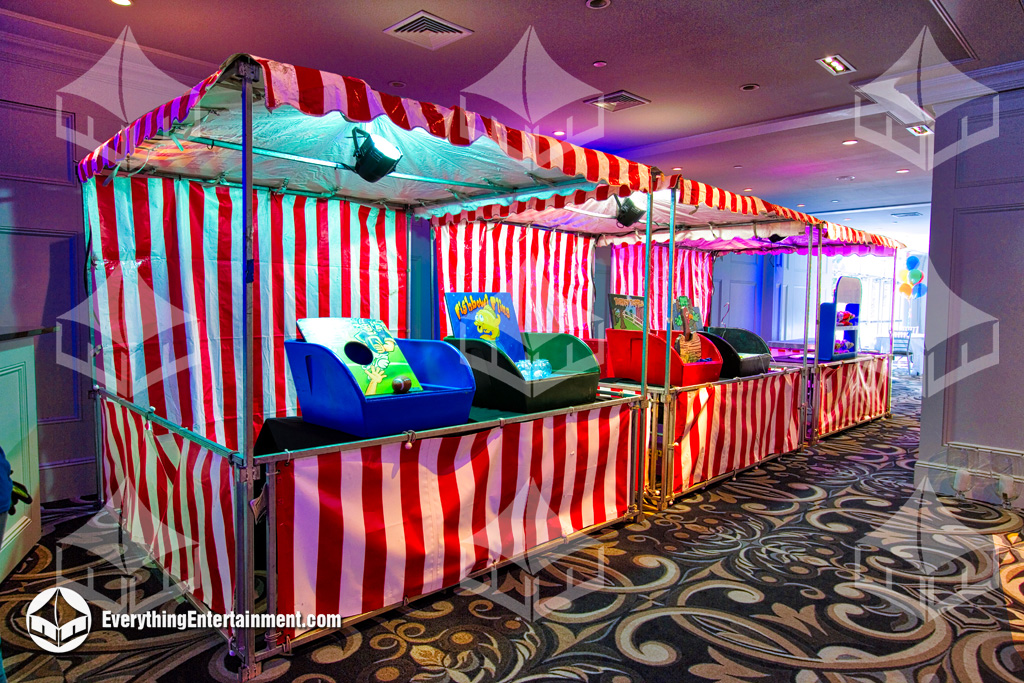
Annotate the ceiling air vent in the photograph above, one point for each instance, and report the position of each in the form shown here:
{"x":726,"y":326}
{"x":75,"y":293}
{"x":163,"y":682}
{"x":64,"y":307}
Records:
{"x":427,"y":30}
{"x":908,"y":214}
{"x":617,"y":101}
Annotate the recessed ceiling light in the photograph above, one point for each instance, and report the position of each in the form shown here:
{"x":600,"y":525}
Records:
{"x":396,"y":84}
{"x":836,"y":65}
{"x":677,"y":168}
{"x":850,"y":142}
{"x":600,"y":63}
{"x":738,"y":166}
{"x":748,"y":189}
{"x":559,"y":132}
{"x":598,"y":4}
{"x":835,"y":201}
{"x":749,"y":87}
{"x":845,"y":178}
{"x":799,"y":205}
{"x":903,"y":170}
{"x":122,"y":3}
{"x":920,"y":130}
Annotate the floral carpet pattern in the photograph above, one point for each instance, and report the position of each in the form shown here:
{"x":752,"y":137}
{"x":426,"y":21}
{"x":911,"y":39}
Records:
{"x":826,"y":565}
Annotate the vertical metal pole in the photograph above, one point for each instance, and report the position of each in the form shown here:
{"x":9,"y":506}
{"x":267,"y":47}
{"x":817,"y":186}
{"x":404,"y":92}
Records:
{"x":245,"y":474}
{"x":408,"y":274}
{"x":645,"y":399}
{"x":273,"y":634}
{"x":94,"y":351}
{"x":668,"y":426}
{"x":807,"y":318}
{"x":435,"y":288}
{"x":817,"y":343}
{"x":892,"y":322}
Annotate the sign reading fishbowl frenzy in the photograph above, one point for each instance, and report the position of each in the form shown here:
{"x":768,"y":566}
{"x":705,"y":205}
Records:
{"x":489,"y":316}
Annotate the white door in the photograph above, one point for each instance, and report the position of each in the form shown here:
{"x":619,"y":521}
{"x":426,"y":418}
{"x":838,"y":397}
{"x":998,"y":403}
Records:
{"x":19,"y":441}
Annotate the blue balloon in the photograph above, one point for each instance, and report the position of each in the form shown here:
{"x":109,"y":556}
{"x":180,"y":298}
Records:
{"x":913,"y":262}
{"x":919,"y":290}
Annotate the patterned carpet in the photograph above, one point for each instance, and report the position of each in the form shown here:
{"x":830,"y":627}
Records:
{"x":824,"y":566}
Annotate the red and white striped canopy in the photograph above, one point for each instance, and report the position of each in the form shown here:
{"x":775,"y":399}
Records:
{"x":302,"y":132}
{"x":311,"y":114}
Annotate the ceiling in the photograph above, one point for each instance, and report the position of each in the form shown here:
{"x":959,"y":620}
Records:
{"x":688,"y":58}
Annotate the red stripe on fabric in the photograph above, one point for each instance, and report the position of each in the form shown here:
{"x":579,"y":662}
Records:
{"x":226,"y":499}
{"x":480,"y":461}
{"x":559,"y":453}
{"x":365,"y":305}
{"x":582,"y":466}
{"x":286,"y":525}
{"x":301,"y":260}
{"x":534,"y":504}
{"x":377,"y":550}
{"x":310,"y":86}
{"x":402,"y":249}
{"x":451,"y":507}
{"x":394,"y":107}
{"x":514,"y":144}
{"x":380,"y":238}
{"x":593,"y":170}
{"x":358,"y":99}
{"x":113,"y":270}
{"x":204,"y":494}
{"x":261,"y":272}
{"x":175,"y":290}
{"x":323,"y":258}
{"x":348,"y":272}
{"x":226,"y":261}
{"x":330,"y":532}
{"x":277,"y":331}
{"x":412,"y":519}
{"x":511,"y":452}
{"x":603,"y":455}
{"x":622,"y":460}
{"x":434,"y":118}
{"x":568,"y":159}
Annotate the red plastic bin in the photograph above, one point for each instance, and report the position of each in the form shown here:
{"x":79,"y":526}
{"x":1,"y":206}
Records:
{"x":600,"y":349}
{"x":625,"y":356}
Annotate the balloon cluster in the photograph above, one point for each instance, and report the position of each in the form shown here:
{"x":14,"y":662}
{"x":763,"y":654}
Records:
{"x":910,"y":279}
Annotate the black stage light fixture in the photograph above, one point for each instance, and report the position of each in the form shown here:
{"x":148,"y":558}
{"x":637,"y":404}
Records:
{"x":775,"y":239}
{"x":628,"y":213}
{"x":375,"y":156}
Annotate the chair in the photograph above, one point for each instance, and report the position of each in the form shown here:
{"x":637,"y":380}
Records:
{"x":901,"y":345}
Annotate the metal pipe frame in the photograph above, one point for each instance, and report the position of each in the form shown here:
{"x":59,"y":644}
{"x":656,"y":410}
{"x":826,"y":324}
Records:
{"x":246,"y":473}
{"x":667,"y":496}
{"x":93,"y":369}
{"x":643,"y":454}
{"x":150,"y":415}
{"x":314,"y":634}
{"x":804,"y":378}
{"x":411,"y":436}
{"x":817,"y":344}
{"x":274,"y":154}
{"x":892,"y":325}
{"x":667,"y":430}
{"x":848,"y":361}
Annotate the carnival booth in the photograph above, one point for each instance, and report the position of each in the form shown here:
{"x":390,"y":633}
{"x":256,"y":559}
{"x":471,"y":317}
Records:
{"x":701,"y":427}
{"x":272,"y":194}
